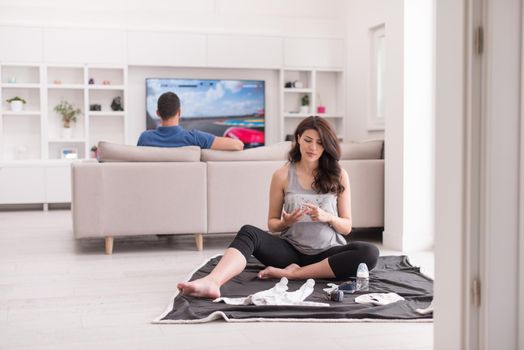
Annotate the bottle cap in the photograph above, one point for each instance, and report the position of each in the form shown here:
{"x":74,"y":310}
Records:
{"x":362,"y":270}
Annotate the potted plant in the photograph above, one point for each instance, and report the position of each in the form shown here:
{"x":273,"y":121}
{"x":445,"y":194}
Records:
{"x":68,"y":113}
{"x":304,"y":108}
{"x":17,"y":103}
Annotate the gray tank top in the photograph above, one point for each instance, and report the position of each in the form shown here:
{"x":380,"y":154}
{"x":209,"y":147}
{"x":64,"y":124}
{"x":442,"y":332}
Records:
{"x":307,"y":236}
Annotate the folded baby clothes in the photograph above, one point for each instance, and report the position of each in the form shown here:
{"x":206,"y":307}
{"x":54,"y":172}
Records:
{"x":378,"y":298}
{"x":278,"y":295}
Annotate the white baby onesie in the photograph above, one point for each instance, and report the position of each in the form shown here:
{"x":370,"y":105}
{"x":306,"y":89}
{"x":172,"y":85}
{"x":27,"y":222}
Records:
{"x":378,"y":298}
{"x":278,"y":295}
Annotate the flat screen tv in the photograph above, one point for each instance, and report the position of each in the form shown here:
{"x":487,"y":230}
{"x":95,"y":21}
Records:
{"x":229,"y":108}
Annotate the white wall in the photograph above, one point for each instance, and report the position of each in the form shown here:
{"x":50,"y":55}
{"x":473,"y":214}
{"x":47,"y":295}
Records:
{"x":259,"y":36}
{"x":419,"y":170}
{"x":394,"y":175}
{"x":137,"y":104}
{"x":362,"y":15}
{"x":408,"y":113}
{"x":450,"y":108}
{"x":303,"y":18}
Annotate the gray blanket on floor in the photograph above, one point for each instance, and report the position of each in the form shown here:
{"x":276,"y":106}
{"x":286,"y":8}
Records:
{"x":392,"y":274}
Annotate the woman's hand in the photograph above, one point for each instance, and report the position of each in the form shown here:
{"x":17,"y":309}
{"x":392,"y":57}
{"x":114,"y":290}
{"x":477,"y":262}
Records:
{"x":290,"y":218}
{"x":317,"y":214}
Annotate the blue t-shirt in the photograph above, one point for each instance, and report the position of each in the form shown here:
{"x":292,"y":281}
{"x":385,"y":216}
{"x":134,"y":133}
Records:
{"x":175,"y":136}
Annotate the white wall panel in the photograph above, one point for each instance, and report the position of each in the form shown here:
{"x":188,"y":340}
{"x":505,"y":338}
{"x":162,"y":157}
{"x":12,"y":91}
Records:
{"x":304,"y":18}
{"x":20,"y":44}
{"x":24,"y":184}
{"x":166,"y":49}
{"x":85,"y":46}
{"x":244,"y":51}
{"x":58,"y":184}
{"x":306,"y":52}
{"x":288,"y":8}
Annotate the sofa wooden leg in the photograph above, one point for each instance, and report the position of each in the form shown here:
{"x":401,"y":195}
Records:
{"x":199,"y":239}
{"x":109,"y":245}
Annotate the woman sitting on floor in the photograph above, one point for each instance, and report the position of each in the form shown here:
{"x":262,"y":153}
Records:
{"x":310,"y":204}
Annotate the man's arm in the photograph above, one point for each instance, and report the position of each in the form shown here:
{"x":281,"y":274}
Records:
{"x":227,"y":144}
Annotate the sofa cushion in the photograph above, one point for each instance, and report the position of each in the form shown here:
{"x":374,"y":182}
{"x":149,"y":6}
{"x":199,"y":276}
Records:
{"x":113,"y":152}
{"x":361,"y":150}
{"x":278,"y":151}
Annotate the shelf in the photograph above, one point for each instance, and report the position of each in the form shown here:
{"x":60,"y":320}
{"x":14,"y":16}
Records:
{"x":296,"y":115}
{"x":21,"y":85}
{"x":33,"y":162}
{"x":105,"y":87}
{"x":32,"y":141}
{"x":65,"y":86}
{"x":67,"y":140}
{"x":326,"y":115}
{"x":21,"y":113}
{"x":324,"y":87}
{"x":106,"y":113}
{"x":298,"y":91}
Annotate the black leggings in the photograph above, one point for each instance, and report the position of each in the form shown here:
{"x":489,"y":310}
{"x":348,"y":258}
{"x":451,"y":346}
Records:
{"x":274,"y":251}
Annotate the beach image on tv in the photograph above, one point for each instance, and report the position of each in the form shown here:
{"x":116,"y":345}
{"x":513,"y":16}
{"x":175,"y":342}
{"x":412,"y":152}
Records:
{"x":229,"y":108}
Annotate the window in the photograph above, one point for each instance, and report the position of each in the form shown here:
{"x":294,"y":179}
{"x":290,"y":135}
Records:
{"x":377,"y":75}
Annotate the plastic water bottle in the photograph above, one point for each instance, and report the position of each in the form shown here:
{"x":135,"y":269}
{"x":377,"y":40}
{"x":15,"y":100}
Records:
{"x":362,"y":277}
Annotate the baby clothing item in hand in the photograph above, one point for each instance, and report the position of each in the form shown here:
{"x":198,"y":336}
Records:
{"x":300,"y":201}
{"x":378,"y":298}
{"x":277,"y":295}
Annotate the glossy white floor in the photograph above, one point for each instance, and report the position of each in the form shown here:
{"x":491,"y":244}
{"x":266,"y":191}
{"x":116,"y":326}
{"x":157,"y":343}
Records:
{"x":57,"y":293}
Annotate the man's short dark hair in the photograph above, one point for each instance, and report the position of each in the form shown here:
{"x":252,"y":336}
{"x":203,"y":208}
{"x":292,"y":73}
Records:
{"x":168,"y":105}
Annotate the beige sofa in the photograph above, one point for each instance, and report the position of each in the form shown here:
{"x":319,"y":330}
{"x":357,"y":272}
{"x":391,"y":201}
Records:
{"x":150,"y":191}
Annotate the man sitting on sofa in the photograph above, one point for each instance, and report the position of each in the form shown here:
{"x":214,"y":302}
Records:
{"x":170,"y":134}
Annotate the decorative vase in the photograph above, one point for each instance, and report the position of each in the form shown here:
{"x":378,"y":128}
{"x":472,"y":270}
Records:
{"x":17,"y":106}
{"x":67,"y":133}
{"x":304,"y":109}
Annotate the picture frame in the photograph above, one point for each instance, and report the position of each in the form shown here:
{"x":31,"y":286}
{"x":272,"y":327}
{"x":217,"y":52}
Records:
{"x":69,"y":153}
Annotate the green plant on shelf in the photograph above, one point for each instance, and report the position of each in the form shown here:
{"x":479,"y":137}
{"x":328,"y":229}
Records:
{"x":305,"y":100}
{"x":68,"y":113}
{"x":16,"y":98}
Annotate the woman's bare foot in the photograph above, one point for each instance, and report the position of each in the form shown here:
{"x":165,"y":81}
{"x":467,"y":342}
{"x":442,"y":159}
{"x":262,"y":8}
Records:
{"x":205,"y":287}
{"x":273,"y":272}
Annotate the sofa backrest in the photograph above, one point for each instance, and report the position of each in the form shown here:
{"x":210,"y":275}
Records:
{"x":277,"y":151}
{"x":362,"y":150}
{"x":112,"y":152}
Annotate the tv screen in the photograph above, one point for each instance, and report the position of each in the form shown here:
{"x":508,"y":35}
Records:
{"x":229,"y":108}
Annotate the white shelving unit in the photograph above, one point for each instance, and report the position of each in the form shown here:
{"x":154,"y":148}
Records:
{"x":324,"y":87}
{"x":106,"y":124}
{"x":21,"y":132}
{"x":91,"y":126}
{"x":32,"y":140}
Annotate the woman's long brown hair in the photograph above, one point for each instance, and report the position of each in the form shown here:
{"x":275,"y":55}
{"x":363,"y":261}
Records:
{"x":327,"y":175}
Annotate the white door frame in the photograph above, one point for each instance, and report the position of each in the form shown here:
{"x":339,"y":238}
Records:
{"x":474,"y":170}
{"x":520,"y":324}
{"x":502,"y":164}
{"x":450,"y":118}
{"x":458,"y":179}
{"x":479,"y":175}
